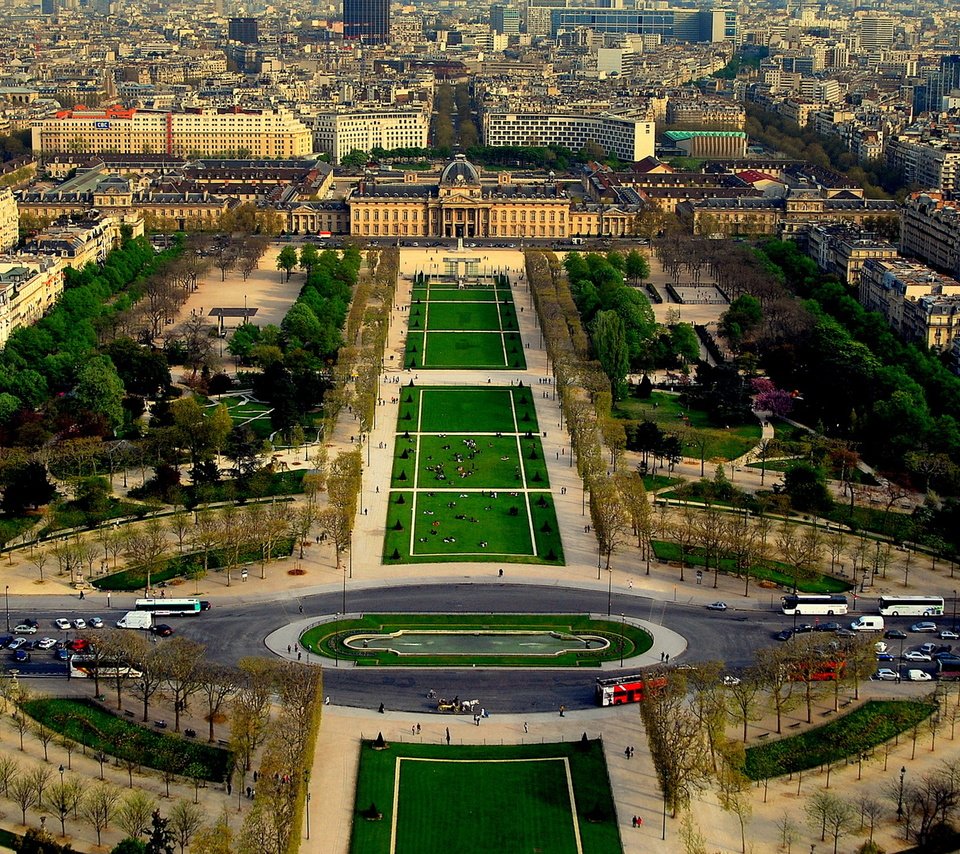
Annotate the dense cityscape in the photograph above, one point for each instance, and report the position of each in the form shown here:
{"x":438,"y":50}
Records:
{"x":523,"y":427}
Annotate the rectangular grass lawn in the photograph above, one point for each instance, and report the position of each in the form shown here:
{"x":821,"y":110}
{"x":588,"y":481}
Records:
{"x":475,"y":316}
{"x":485,"y":800}
{"x":458,"y":410}
{"x":480,"y":350}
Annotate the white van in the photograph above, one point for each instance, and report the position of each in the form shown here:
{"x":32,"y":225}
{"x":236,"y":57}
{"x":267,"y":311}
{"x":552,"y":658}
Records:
{"x":918,"y":676}
{"x":135,"y":620}
{"x":868,"y":623}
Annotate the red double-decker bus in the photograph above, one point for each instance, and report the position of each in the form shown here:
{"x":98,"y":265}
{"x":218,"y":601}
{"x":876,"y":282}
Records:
{"x":627,"y":689}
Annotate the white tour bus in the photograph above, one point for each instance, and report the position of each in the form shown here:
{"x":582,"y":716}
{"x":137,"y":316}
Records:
{"x":813,"y":603}
{"x":911,"y":606}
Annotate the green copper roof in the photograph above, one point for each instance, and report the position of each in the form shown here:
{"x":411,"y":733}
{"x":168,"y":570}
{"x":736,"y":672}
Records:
{"x":677,"y":135}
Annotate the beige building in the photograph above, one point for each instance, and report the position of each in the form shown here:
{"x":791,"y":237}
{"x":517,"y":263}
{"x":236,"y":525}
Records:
{"x":29,"y":287}
{"x":83,"y":239}
{"x":9,"y":220}
{"x":262,"y":133}
{"x":337,"y":134}
{"x":920,"y":304}
{"x":843,"y":250}
{"x":930,"y":230}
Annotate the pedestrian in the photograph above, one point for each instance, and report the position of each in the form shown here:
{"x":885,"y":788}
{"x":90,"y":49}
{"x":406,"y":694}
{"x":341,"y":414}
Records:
{"x":418,"y":729}
{"x":289,"y":649}
{"x":562,"y":709}
{"x":229,"y":788}
{"x":501,"y":573}
{"x":639,"y":821}
{"x":299,"y":655}
{"x":525,"y":727}
{"x":626,"y":752}
{"x":301,"y":608}
{"x":448,"y":736}
{"x":668,"y":658}
{"x":662,"y":656}
{"x":249,"y":792}
{"x":378,"y":490}
{"x":81,"y":594}
{"x":634,"y":823}
{"x":380,"y":710}
{"x":413,"y":730}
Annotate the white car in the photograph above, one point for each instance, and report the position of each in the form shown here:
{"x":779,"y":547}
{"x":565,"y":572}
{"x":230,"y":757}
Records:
{"x":918,"y":676}
{"x":79,"y":623}
{"x":880,"y":646}
{"x":717,"y":606}
{"x":46,"y":643}
{"x":924,"y":627}
{"x":62,"y":623}
{"x":885,"y":674}
{"x":946,"y":634}
{"x":24,"y":629}
{"x":95,"y":623}
{"x":731,"y":680}
{"x":16,"y":643}
{"x":916,"y":655}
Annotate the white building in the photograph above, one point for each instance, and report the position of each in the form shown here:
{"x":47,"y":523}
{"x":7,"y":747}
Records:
{"x":9,"y":220}
{"x":337,"y":134}
{"x":629,"y":138}
{"x":29,"y":287}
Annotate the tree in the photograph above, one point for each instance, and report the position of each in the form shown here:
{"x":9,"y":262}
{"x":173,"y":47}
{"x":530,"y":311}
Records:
{"x":39,"y":777}
{"x":744,"y":696}
{"x":216,"y":839}
{"x":26,"y":486}
{"x":160,"y":838}
{"x":217,"y":686}
{"x":60,"y":802}
{"x":134,"y":811}
{"x":287,"y":260}
{"x":99,"y":390}
{"x":610,"y":517}
{"x":610,"y":342}
{"x":180,"y":663}
{"x":24,"y":794}
{"x":99,"y":807}
{"x":636,"y":266}
{"x":185,"y":820}
{"x":309,"y":258}
{"x":147,"y":548}
{"x":806,"y":485}
{"x":39,"y":559}
{"x":9,"y":769}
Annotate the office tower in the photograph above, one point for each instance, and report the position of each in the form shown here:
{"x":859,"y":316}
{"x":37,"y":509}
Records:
{"x":367,"y":21}
{"x":244,"y":30}
{"x":504,"y":20}
{"x":876,"y":33}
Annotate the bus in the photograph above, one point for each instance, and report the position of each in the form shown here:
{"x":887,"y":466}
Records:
{"x":87,"y":666}
{"x":816,"y":671}
{"x":171,"y":607}
{"x":813,"y":603}
{"x":911,"y":606}
{"x":626,"y":689}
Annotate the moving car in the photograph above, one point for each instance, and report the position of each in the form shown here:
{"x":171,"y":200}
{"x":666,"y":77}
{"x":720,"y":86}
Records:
{"x":63,"y":624}
{"x":803,"y":627}
{"x":894,"y":634}
{"x":949,"y":634}
{"x":717,"y":606}
{"x":916,"y":655}
{"x":78,"y":644}
{"x":785,"y":635}
{"x":885,"y":656}
{"x":162,"y":629}
{"x":885,"y":674}
{"x":924,"y":627}
{"x":24,"y":629}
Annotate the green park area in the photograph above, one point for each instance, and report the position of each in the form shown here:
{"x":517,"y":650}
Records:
{"x":91,"y":725}
{"x":483,"y":640}
{"x":469,"y":479}
{"x":470,"y":328}
{"x":672,"y":416}
{"x":852,"y":735}
{"x":437,"y":798}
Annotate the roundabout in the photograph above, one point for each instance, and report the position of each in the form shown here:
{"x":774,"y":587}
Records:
{"x":477,"y":640}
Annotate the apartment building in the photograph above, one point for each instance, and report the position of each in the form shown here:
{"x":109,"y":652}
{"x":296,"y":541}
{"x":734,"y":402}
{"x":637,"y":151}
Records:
{"x":934,"y":164}
{"x":629,"y":138}
{"x":9,"y":220}
{"x":339,"y":133}
{"x":29,"y":287}
{"x":843,"y":249}
{"x":261,"y":133}
{"x":930,"y":230}
{"x":921,"y":305}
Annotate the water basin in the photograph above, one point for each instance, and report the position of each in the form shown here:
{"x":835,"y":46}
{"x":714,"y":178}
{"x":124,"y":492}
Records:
{"x":476,"y":642}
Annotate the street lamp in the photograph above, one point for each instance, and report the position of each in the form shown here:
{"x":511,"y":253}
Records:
{"x":621,"y":639}
{"x":903,"y":771}
{"x":6,"y":598}
{"x":609,"y":590}
{"x":954,"y":626}
{"x":61,"y":774}
{"x":308,"y":815}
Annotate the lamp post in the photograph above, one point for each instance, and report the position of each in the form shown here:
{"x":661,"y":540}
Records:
{"x":61,"y":774}
{"x":308,"y":815}
{"x":6,"y":599}
{"x":903,"y":772}
{"x":954,"y":626}
{"x":609,"y":590}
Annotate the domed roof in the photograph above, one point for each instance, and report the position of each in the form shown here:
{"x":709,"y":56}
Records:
{"x":460,"y":171}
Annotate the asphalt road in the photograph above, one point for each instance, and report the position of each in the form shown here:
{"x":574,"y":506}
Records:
{"x":232,"y":631}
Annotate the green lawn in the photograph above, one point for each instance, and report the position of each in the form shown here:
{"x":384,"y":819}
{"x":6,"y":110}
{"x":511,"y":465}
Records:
{"x":770,"y":570}
{"x":328,"y":639}
{"x":460,"y":316}
{"x":445,"y":294}
{"x":670,"y":414}
{"x":88,"y":723}
{"x":485,"y":800}
{"x":850,"y":735}
{"x":13,"y":526}
{"x":458,"y":472}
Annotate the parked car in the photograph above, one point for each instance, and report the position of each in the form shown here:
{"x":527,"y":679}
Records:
{"x":803,"y":627}
{"x":785,"y":635}
{"x":918,"y":676}
{"x":885,"y":656}
{"x":62,"y":654}
{"x":717,"y":606}
{"x":16,"y":643}
{"x":894,"y":634}
{"x":846,"y":633}
{"x":5,"y":640}
{"x":916,"y":655}
{"x":95,"y":623}
{"x":945,"y":655}
{"x":21,"y":655}
{"x":885,"y":674}
{"x":928,"y":647}
{"x":79,"y":623}
{"x":63,"y":624}
{"x":46,"y":643}
{"x":924,"y":627}
{"x":24,"y":629}
{"x":880,"y":646}
{"x":826,"y":627}
{"x":949,"y":634}
{"x":29,"y":621}
{"x":731,"y":680}
{"x":162,"y":629}
{"x":77,"y":644}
